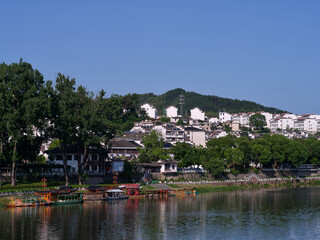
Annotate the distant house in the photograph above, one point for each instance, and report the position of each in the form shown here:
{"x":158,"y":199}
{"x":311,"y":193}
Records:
{"x":123,"y":149}
{"x":224,"y":116}
{"x":96,"y":163}
{"x":150,"y":110}
{"x":195,"y":136}
{"x":172,"y":112}
{"x":160,"y":170}
{"x":197,"y":114}
{"x":170,"y":133}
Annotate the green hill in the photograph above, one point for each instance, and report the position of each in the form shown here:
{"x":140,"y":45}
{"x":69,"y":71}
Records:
{"x":209,"y":104}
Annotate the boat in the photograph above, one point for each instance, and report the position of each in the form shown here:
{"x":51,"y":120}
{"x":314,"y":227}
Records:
{"x":71,"y":198}
{"x":28,"y":201}
{"x":115,"y":194}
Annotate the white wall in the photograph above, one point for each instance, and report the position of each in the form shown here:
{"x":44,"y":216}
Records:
{"x":224,"y":116}
{"x":196,"y":113}
{"x":172,"y":111}
{"x":198,"y":138}
{"x":150,"y":110}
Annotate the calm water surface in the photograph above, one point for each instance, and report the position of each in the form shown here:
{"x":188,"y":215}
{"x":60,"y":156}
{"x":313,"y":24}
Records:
{"x":256,"y":214}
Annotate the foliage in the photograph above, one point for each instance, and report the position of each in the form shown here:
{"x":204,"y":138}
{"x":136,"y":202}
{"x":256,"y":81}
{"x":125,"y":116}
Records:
{"x":165,"y":119}
{"x":23,"y":108}
{"x":153,"y":148}
{"x":209,"y":104}
{"x":258,"y":121}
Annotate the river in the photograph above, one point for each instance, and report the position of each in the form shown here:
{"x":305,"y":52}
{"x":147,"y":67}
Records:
{"x":251,"y":214}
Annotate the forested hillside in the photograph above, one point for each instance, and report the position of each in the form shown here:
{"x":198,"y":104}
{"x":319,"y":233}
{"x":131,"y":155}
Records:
{"x":209,"y":104}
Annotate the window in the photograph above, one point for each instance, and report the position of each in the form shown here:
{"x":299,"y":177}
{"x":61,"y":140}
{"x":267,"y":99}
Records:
{"x":167,"y":166}
{"x":69,"y":157}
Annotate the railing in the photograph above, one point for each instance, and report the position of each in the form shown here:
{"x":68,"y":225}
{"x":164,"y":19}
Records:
{"x":298,"y":169}
{"x":243,"y":180}
{"x":193,"y":170}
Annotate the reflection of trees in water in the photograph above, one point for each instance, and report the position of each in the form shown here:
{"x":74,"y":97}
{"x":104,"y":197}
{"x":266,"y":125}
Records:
{"x":204,"y":216}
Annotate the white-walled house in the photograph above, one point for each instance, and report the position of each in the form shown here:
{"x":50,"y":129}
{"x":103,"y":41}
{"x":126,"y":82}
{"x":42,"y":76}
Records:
{"x":310,"y":125}
{"x":268,"y":117}
{"x":96,"y":163}
{"x":170,"y":133}
{"x":213,"y":120}
{"x":195,"y":136}
{"x":286,"y":123}
{"x":172,"y":111}
{"x":224,"y":116}
{"x":150,"y":110}
{"x":197,"y":114}
{"x":241,"y":118}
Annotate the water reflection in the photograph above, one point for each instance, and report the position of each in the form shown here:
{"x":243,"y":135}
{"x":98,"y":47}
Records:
{"x":268,"y":214}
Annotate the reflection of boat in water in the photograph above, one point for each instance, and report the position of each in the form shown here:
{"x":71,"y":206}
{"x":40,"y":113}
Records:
{"x":63,"y":195}
{"x":28,"y":201}
{"x":115,"y":194}
{"x":68,"y":199}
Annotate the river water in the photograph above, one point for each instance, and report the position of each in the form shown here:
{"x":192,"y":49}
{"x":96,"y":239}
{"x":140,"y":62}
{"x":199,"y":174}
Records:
{"x":253,"y":214}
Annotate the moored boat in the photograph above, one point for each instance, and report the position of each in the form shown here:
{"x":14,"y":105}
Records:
{"x":115,"y":194}
{"x":71,"y":198}
{"x":28,"y":201}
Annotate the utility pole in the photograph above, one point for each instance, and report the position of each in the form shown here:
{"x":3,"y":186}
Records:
{"x":181,"y":102}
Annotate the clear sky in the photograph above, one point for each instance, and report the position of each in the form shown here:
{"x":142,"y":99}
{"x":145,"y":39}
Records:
{"x":263,"y":51}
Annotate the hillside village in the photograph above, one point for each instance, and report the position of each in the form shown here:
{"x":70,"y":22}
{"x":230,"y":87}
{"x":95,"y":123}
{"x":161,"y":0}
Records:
{"x":287,"y":124}
{"x":195,"y":130}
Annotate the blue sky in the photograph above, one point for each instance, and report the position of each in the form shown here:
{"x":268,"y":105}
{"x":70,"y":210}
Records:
{"x":263,"y":51}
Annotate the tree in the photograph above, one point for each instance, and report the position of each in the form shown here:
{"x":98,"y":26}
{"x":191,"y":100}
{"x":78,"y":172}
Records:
{"x":278,"y":148}
{"x":258,"y":121}
{"x":313,"y":146}
{"x":62,"y":115}
{"x":214,"y":165}
{"x":219,"y":145}
{"x":96,"y":123}
{"x":164,"y":119}
{"x":234,"y":157}
{"x":153,"y":148}
{"x":23,"y":105}
{"x":261,"y":152}
{"x":297,"y":153}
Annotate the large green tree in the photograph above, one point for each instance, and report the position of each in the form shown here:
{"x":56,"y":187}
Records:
{"x":23,"y":105}
{"x":62,"y":115}
{"x":153,"y":149}
{"x":258,"y":121}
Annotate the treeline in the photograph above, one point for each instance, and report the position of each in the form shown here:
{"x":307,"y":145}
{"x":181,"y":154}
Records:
{"x":33,"y":110}
{"x":237,"y":153}
{"x":209,"y":104}
{"x":234,"y":153}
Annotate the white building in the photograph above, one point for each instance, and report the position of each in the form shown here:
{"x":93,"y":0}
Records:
{"x":224,"y":116}
{"x":150,"y":110}
{"x":195,"y":136}
{"x":310,"y":125}
{"x":241,"y":118}
{"x":268,"y":117}
{"x":172,"y":111}
{"x":213,"y":120}
{"x":170,"y":133}
{"x":197,"y":114}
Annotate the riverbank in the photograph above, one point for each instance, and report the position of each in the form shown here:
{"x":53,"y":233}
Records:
{"x":204,"y":188}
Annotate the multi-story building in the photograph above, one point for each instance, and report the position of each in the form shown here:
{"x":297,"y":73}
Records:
{"x":170,"y":133}
{"x":197,"y":114}
{"x":195,"y":136}
{"x":224,"y":116}
{"x":172,"y":112}
{"x":150,"y":110}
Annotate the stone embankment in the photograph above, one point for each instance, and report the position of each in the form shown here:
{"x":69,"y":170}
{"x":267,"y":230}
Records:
{"x":252,"y":179}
